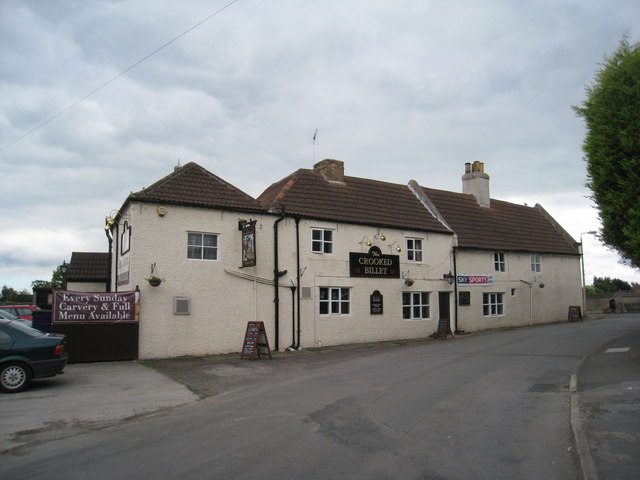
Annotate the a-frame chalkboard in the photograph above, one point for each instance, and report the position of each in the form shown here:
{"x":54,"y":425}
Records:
{"x":575,"y":313}
{"x":255,"y":341}
{"x":444,"y":328}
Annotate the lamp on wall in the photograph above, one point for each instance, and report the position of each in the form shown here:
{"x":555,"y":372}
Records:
{"x":368,"y":242}
{"x":110,"y":219}
{"x":64,"y":267}
{"x":449,"y":277}
{"x":380,"y":236}
{"x":398,"y":248}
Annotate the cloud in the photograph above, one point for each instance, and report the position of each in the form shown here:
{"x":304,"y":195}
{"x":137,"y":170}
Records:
{"x":397,"y":89}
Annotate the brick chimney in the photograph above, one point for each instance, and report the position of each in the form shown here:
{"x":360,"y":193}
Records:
{"x":476,"y":182}
{"x":332,"y":170}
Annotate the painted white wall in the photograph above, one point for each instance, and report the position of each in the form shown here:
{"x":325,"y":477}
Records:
{"x":332,"y":270}
{"x":86,"y":286}
{"x":221,"y":303}
{"x":524,"y":303}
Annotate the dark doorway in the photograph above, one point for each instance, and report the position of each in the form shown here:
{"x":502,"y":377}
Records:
{"x":444,"y":306}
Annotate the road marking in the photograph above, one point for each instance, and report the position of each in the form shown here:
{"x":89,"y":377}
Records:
{"x":617,"y":350}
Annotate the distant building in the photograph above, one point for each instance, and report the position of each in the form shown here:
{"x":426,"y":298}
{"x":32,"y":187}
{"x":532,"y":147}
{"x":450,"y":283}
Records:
{"x":354,"y":260}
{"x":88,"y":272}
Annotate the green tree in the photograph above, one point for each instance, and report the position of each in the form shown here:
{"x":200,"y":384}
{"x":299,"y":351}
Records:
{"x":609,"y":285}
{"x":612,"y":148}
{"x":11,"y":295}
{"x":58,"y":281}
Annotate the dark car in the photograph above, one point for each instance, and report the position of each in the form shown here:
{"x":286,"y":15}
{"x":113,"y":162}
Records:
{"x":20,"y":311}
{"x":27,"y":353}
{"x":10,"y":316}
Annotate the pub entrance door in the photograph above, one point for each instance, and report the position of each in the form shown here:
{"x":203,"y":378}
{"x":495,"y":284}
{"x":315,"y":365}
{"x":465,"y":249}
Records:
{"x":444,"y":307}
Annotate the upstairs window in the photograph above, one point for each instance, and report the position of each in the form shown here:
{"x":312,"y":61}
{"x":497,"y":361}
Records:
{"x":498,"y":262}
{"x":321,"y":240}
{"x":414,"y":249}
{"x":535,"y":262}
{"x":202,"y":246}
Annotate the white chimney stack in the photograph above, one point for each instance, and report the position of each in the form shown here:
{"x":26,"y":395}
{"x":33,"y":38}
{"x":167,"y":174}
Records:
{"x":475,"y":182}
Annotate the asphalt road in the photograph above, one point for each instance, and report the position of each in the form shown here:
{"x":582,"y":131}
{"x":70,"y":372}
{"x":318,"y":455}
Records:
{"x":492,"y":405}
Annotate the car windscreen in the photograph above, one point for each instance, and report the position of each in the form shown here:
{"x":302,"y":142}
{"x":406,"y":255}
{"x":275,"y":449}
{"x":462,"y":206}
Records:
{"x":4,"y":313}
{"x":21,"y":327}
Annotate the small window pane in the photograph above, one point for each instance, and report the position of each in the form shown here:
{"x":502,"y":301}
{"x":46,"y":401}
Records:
{"x":210,"y":240}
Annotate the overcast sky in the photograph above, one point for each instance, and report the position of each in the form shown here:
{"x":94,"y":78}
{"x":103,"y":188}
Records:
{"x":397,"y":89}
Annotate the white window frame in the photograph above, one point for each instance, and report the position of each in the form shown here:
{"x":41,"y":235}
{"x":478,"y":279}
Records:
{"x":414,"y":249}
{"x":324,"y":244}
{"x":336,"y":301}
{"x":493,"y":304}
{"x":201,"y":245}
{"x":536,"y":262}
{"x":499,"y":263}
{"x":416,"y":306}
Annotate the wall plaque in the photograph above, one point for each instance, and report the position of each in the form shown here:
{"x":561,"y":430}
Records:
{"x":376,"y":303}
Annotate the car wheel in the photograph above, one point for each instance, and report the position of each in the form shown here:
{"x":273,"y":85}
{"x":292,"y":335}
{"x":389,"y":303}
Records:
{"x":14,"y":377}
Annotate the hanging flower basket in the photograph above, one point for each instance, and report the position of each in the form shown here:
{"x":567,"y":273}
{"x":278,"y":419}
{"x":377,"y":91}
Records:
{"x":408,"y":282}
{"x":154,"y":281}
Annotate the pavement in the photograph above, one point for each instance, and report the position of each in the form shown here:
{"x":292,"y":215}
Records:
{"x":87,"y":396}
{"x":608,"y":403}
{"x":605,"y":397}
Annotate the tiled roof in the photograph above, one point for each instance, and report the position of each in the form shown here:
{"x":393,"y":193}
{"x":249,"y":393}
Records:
{"x":306,"y":193}
{"x":501,"y":226}
{"x":88,"y":267}
{"x":192,"y":185}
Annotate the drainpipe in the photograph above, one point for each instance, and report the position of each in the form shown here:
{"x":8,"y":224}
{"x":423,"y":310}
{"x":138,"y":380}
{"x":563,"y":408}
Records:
{"x":276,"y":277}
{"x":117,"y":249}
{"x":297,"y":343}
{"x":107,"y":232}
{"x":455,"y":288}
{"x":293,"y":317}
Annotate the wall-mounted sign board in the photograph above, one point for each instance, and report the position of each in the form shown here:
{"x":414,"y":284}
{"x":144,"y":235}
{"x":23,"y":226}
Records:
{"x":374,"y":264}
{"x":376,"y":301}
{"x":481,"y":279}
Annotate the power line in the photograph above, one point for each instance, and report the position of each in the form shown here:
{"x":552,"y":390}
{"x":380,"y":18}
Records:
{"x":126,"y":70}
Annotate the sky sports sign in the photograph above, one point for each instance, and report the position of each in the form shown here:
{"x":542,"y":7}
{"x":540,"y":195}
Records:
{"x":474,"y":279}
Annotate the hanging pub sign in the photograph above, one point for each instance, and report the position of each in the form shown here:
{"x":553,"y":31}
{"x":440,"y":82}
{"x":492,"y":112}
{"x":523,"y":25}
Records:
{"x":374,"y":264}
{"x":248,"y":243}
